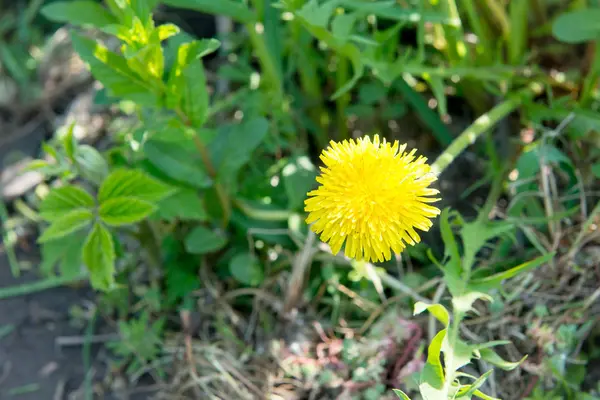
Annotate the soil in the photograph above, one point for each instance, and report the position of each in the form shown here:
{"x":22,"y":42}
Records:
{"x":33,"y":366}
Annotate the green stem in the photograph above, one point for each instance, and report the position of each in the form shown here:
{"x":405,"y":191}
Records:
{"x":484,"y":45}
{"x":265,"y":60}
{"x":500,"y":17}
{"x":8,"y":242}
{"x":341,"y":77}
{"x":203,"y":151}
{"x":481,"y":125}
{"x":28,"y":288}
{"x":452,"y":339}
{"x":454,"y":33}
{"x":309,"y":81}
{"x":591,"y":79}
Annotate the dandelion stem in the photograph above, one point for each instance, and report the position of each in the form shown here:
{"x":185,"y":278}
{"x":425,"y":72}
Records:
{"x":482,"y":124}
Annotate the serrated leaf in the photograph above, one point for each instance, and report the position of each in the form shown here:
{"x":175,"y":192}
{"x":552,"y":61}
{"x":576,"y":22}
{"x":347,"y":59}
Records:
{"x":493,"y":281}
{"x":66,"y":252}
{"x":80,"y":12}
{"x":246,"y":269}
{"x":178,"y":162}
{"x":68,"y":223}
{"x":113,"y":72}
{"x":91,"y":164}
{"x":186,"y":86}
{"x":202,"y":240}
{"x":99,"y":257}
{"x":494,"y":359}
{"x":133,"y":183}
{"x":63,"y":200}
{"x":475,"y":235}
{"x":185,"y":205}
{"x":125,"y":210}
{"x":437,"y":310}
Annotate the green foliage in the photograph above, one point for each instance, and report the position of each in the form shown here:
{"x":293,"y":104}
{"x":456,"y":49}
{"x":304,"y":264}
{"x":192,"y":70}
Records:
{"x":577,"y":26}
{"x":201,"y":183}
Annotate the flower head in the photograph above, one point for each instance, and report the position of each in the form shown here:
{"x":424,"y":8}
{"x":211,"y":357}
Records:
{"x":372,"y":196}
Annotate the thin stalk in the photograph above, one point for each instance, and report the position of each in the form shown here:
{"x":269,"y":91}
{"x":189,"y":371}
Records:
{"x":341,"y":77}
{"x":9,"y":242}
{"x":591,"y":79}
{"x":482,"y":125}
{"x":454,"y":33}
{"x":499,"y":16}
{"x":481,"y":30}
{"x":203,"y":151}
{"x":28,"y":288}
{"x":265,"y":60}
{"x":449,"y":358}
{"x":539,"y":9}
{"x":309,"y":81}
{"x":518,"y":35}
{"x":219,"y":189}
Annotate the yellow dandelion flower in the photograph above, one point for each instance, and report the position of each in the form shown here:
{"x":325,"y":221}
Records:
{"x":372,"y":196}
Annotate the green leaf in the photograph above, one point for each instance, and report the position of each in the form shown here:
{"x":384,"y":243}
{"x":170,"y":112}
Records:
{"x":596,"y":170}
{"x":494,"y":281}
{"x":233,"y":147}
{"x":99,"y":257}
{"x":69,"y":142}
{"x":91,"y":164}
{"x":61,"y":201}
{"x":315,"y":18}
{"x":577,"y":26}
{"x":401,"y":394}
{"x":437,"y":310}
{"x":246,"y":269}
{"x":475,"y":385}
{"x":494,"y":359}
{"x":68,"y":223}
{"x":453,"y":266}
{"x":125,"y":210}
{"x":113,"y":72}
{"x":194,"y":102}
{"x":185,"y":205}
{"x":165,"y":31}
{"x":66,"y":252}
{"x":202,"y":240}
{"x":80,"y":12}
{"x":133,"y":183}
{"x":186,"y":86}
{"x":475,"y":234}
{"x":464,"y":303}
{"x":181,"y":278}
{"x":178,"y":161}
{"x":433,"y":372}
{"x":229,"y":8}
{"x":298,"y":178}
